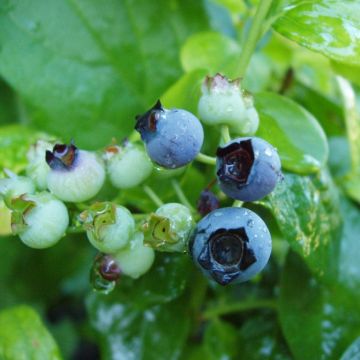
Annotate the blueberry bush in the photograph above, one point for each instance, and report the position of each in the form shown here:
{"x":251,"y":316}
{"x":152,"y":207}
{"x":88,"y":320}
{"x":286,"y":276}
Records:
{"x":180,"y":179}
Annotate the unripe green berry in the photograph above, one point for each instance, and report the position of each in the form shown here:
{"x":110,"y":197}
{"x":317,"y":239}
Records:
{"x":75,"y":175}
{"x":40,"y":220}
{"x":37,"y":168}
{"x":136,"y":259}
{"x":224,"y":102}
{"x":109,"y":227}
{"x":14,"y":186}
{"x":128,"y":165}
{"x":168,"y":229}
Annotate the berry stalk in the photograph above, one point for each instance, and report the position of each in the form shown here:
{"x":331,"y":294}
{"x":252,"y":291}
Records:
{"x":253,"y":36}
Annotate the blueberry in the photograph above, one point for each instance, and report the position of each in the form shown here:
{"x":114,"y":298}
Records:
{"x":247,"y":168}
{"x":231,"y":245}
{"x":172,"y":138}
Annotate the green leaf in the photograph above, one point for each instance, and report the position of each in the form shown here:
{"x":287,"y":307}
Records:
{"x":261,"y":339}
{"x":186,"y":92}
{"x":23,"y":336}
{"x":220,"y":340}
{"x":351,"y":181}
{"x":126,"y":332}
{"x":325,"y":109}
{"x":318,"y":322}
{"x":330,"y":27}
{"x":211,"y":51}
{"x":300,"y":140}
{"x":353,"y":351}
{"x":8,"y":110}
{"x":306,"y":210}
{"x":88,"y":68}
{"x":349,"y":271}
{"x":218,"y":53}
{"x":351,"y":72}
{"x":165,"y":282}
{"x":15,"y":141}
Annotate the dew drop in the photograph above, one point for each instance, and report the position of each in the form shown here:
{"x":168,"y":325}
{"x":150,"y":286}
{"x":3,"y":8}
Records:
{"x":268,"y":152}
{"x":250,"y":223}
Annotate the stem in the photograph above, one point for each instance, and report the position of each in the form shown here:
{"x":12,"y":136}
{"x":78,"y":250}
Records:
{"x":152,"y":195}
{"x":237,"y":203}
{"x":239,"y":307}
{"x":182,"y":197}
{"x":225,"y":134}
{"x":209,"y":160}
{"x":253,"y":37}
{"x":134,"y":136}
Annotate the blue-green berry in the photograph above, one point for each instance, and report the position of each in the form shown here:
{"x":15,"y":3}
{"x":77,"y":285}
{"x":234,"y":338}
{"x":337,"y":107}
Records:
{"x":13,"y":185}
{"x":136,"y":259}
{"x":109,"y":227}
{"x":127,"y":165}
{"x":224,"y":102}
{"x":75,"y":175}
{"x":40,"y":220}
{"x":168,"y":229}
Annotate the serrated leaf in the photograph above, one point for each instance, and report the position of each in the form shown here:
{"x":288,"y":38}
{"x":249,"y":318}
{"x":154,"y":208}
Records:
{"x":306,"y":210}
{"x":88,"y":68}
{"x":329,"y":318}
{"x":297,"y":135}
{"x":330,"y":27}
{"x":23,"y":336}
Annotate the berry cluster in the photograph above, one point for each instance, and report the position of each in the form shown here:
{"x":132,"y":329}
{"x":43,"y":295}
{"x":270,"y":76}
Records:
{"x":229,"y":244}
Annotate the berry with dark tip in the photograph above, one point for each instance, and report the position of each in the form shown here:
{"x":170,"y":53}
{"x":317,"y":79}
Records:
{"x":247,"y":168}
{"x":172,"y":137}
{"x":75,"y":175}
{"x":231,"y":245}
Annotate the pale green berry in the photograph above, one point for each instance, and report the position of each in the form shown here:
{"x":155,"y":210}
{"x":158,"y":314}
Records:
{"x":109,"y":227}
{"x":75,"y":175}
{"x":223,"y":102}
{"x":14,"y":185}
{"x":40,"y":220}
{"x":128,"y":165}
{"x":37,"y":168}
{"x":169,"y":228}
{"x":136,"y":259}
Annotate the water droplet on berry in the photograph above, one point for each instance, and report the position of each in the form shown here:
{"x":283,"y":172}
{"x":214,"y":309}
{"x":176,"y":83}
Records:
{"x":250,"y":223}
{"x":268,"y":152}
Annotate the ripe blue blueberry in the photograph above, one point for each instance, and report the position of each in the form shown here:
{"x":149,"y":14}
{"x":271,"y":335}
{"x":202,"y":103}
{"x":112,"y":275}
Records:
{"x":247,"y":168}
{"x":231,"y":245}
{"x":172,"y":138}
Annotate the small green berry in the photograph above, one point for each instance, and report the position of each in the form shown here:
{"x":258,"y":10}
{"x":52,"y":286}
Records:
{"x":136,"y":259}
{"x":75,"y":175}
{"x":13,"y":186}
{"x":224,"y":102}
{"x":109,"y":227}
{"x":40,"y":220}
{"x":168,"y":229}
{"x":128,"y":165}
{"x":37,"y":168}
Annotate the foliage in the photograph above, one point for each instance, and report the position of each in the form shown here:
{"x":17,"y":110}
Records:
{"x":83,"y":70}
